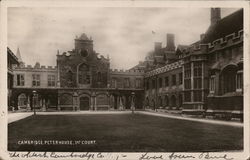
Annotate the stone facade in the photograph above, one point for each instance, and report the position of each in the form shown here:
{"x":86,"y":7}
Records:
{"x":201,"y":79}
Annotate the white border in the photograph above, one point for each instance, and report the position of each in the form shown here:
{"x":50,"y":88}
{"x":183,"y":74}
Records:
{"x":176,"y":4}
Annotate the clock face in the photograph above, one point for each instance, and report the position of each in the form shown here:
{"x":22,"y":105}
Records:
{"x":84,"y":53}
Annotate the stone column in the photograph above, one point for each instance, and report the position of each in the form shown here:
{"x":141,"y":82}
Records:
{"x":58,"y":103}
{"x":28,"y":104}
{"x":192,"y":81}
{"x":95,"y":106}
{"x":43,"y":106}
{"x":120,"y":103}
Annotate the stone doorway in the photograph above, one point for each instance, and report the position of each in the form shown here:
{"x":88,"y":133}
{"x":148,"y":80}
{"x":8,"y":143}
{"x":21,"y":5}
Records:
{"x":84,"y":103}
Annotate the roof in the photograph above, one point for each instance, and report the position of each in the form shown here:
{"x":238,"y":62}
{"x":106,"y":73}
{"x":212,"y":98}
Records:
{"x":227,"y":25}
{"x":182,"y":47}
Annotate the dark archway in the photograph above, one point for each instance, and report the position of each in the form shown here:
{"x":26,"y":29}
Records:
{"x":228,"y":79}
{"x":173,"y":101}
{"x":84,"y":103}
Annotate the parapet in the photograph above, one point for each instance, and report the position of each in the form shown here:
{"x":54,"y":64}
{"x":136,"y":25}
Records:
{"x":218,"y":43}
{"x":125,"y":72}
{"x":40,"y":68}
{"x":168,"y":67}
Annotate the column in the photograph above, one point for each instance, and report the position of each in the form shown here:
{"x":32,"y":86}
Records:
{"x":43,"y":106}
{"x":58,"y":103}
{"x":120,"y":103}
{"x":95,"y":103}
{"x":28,"y":104}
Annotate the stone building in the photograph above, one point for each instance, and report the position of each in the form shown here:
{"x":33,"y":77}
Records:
{"x":204,"y":78}
{"x":82,"y":80}
{"x":209,"y":71}
{"x":12,"y":60}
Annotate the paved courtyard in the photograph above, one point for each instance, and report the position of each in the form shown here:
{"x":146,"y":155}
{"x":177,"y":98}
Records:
{"x":121,"y":132}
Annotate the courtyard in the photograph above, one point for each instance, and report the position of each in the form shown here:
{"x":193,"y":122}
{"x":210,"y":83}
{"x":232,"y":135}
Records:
{"x":120,"y":133}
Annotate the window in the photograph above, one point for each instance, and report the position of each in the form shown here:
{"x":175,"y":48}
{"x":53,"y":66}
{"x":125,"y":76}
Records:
{"x":36,"y":80}
{"x":99,"y":77}
{"x":51,"y":80}
{"x":187,"y":70}
{"x":127,"y":82}
{"x":153,"y":84}
{"x":114,"y":83}
{"x":212,"y":84}
{"x":197,"y":96}
{"x":180,"y":78}
{"x":160,"y":82}
{"x":173,"y":79}
{"x":197,"y":69}
{"x":166,"y":82}
{"x":187,"y":83}
{"x":137,"y":82}
{"x":84,"y":74}
{"x":197,"y":75}
{"x":187,"y":96}
{"x":239,"y":80}
{"x":20,"y":79}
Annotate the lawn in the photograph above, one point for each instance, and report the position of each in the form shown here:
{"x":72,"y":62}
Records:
{"x":122,"y":132}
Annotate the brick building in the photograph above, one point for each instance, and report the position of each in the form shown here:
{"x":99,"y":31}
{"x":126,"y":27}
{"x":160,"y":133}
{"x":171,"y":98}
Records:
{"x":204,"y":78}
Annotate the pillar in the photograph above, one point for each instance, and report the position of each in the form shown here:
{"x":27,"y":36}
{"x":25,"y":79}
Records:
{"x":95,"y":106}
{"x":43,"y":105}
{"x":28,"y":104}
{"x":58,"y":103}
{"x":120,"y":103}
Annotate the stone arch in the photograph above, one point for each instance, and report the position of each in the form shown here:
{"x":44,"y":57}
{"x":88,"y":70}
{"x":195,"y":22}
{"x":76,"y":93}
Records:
{"x":22,"y":100}
{"x":228,"y":78}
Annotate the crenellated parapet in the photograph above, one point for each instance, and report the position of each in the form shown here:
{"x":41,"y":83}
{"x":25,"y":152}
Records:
{"x":166,"y":68}
{"x":126,"y":72}
{"x":217,"y":44}
{"x":36,"y":68}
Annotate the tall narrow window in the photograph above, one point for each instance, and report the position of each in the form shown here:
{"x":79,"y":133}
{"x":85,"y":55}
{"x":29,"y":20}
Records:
{"x":197,"y":75}
{"x":51,"y":80}
{"x":160,"y":82}
{"x":127,"y":83}
{"x":187,"y":77}
{"x":84,"y":74}
{"x":212,"y":84}
{"x":180,"y":78}
{"x":174,"y":80}
{"x":35,"y":80}
{"x":20,"y":79}
{"x":137,"y":82}
{"x":166,"y":82}
{"x":114,"y":83}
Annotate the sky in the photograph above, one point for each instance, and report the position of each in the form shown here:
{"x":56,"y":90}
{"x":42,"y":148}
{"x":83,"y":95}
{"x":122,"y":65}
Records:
{"x":126,"y":35}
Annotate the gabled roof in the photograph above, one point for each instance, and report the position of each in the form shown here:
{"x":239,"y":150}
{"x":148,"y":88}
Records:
{"x":228,"y":25}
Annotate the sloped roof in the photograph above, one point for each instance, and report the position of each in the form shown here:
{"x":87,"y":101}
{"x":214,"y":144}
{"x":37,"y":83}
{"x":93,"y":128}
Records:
{"x":228,"y":25}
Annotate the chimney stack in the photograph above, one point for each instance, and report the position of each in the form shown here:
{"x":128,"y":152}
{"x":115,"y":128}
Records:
{"x":158,"y":46}
{"x":202,"y":36}
{"x":170,"y":42}
{"x":215,"y":15}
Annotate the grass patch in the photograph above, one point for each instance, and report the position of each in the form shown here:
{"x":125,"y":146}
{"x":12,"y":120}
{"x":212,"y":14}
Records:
{"x":124,"y":133}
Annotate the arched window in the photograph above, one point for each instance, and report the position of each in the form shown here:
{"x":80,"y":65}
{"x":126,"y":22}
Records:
{"x":22,"y":100}
{"x":228,"y":79}
{"x":83,"y":74}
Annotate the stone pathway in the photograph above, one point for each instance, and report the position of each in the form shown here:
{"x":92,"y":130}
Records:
{"x":15,"y":116}
{"x":211,"y":121}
